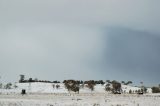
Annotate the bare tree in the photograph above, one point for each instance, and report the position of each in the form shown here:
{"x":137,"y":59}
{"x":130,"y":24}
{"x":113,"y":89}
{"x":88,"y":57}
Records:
{"x":116,"y":87}
{"x":57,"y":86}
{"x":90,"y":84}
{"x":8,"y":86}
{"x":53,"y":86}
{"x":72,"y":85}
{"x":108,"y":88}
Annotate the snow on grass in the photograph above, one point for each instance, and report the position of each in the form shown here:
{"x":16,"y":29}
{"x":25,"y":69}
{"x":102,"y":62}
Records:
{"x":43,"y":94}
{"x":80,"y":100}
{"x":40,"y":87}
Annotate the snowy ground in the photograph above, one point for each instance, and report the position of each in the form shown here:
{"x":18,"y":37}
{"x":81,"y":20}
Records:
{"x":86,"y":99}
{"x":43,"y":94}
{"x":39,"y":87}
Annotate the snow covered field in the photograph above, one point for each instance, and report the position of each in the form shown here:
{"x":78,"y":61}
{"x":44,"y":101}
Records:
{"x":39,"y":87}
{"x":97,"y":99}
{"x":43,"y":94}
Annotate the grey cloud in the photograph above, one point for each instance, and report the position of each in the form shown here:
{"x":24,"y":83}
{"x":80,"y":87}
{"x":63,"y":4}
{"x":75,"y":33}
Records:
{"x":40,"y":38}
{"x":134,"y":53}
{"x":143,"y":15}
{"x":50,"y":52}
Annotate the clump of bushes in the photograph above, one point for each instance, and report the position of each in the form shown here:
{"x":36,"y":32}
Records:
{"x":90,"y":84}
{"x":155,"y":90}
{"x":72,"y":85}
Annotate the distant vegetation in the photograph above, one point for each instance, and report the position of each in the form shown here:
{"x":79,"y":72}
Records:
{"x":126,"y":83}
{"x":114,"y":86}
{"x":156,"y":89}
{"x":90,"y":84}
{"x":72,"y":85}
{"x":23,"y":80}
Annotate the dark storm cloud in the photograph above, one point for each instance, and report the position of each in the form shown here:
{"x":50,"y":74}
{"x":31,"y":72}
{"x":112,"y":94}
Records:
{"x":133,"y":52}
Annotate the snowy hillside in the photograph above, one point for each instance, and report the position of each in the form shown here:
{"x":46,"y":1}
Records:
{"x":39,"y":87}
{"x":126,"y":88}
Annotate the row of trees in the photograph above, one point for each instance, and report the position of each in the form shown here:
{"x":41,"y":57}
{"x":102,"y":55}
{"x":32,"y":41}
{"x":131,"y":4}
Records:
{"x":139,"y":91}
{"x":83,"y":82}
{"x":111,"y":86}
{"x":73,"y":85}
{"x":23,"y":80}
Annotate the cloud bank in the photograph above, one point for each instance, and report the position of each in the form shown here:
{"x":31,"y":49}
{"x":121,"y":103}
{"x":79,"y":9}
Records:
{"x":80,"y":39}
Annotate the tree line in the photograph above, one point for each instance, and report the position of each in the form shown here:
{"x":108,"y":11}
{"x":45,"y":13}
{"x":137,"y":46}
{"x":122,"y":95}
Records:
{"x":75,"y":85}
{"x":23,"y":80}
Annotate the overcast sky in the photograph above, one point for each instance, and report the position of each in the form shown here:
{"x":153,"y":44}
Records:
{"x":80,"y":39}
